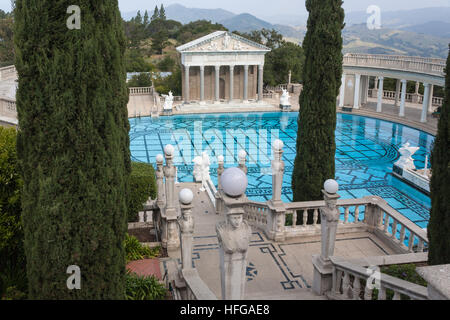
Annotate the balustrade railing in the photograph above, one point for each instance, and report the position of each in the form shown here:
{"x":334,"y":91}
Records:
{"x":391,"y":95}
{"x":354,"y":282}
{"x":256,"y":213}
{"x":196,"y":289}
{"x":426,"y":65}
{"x":141,"y":90}
{"x":7,"y":73}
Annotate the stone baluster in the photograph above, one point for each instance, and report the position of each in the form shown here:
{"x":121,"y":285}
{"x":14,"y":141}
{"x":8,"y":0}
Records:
{"x":186,"y":225}
{"x":233,"y":235}
{"x":315,"y":217}
{"x":382,"y":293}
{"x":242,"y":155}
{"x":220,"y":170}
{"x":172,"y":239}
{"x":277,"y":215}
{"x":356,"y":288}
{"x":329,"y":221}
{"x":394,"y":229}
{"x":305,"y":218}
{"x":402,"y":234}
{"x":346,"y":285}
{"x":346,"y":214}
{"x":356,"y":213}
{"x":411,"y":242}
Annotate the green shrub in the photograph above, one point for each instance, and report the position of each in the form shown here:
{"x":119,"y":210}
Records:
{"x":144,"y":288}
{"x":136,"y":251}
{"x":142,"y":186}
{"x":12,"y":256}
{"x":12,"y":293}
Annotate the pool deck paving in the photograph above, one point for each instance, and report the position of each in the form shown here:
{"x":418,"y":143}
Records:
{"x":276,"y":270}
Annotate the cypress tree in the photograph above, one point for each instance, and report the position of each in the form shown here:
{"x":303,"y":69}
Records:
{"x":322,"y":70}
{"x":73,"y":146}
{"x":439,"y":224}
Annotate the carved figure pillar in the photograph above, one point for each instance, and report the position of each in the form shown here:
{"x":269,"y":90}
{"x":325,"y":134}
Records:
{"x":220,"y":170}
{"x":160,"y":180}
{"x":186,"y":225}
{"x":242,"y":159}
{"x":329,"y":220}
{"x":172,"y":239}
{"x":234,"y":236}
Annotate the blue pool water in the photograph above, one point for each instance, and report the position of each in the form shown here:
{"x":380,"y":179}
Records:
{"x":366,"y":151}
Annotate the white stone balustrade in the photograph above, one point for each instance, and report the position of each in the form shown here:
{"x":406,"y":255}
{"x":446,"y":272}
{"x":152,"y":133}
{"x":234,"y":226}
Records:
{"x":347,"y":284}
{"x":134,"y":91}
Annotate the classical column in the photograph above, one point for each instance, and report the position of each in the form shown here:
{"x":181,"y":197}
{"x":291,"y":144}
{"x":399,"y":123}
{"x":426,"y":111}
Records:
{"x":202,"y":84}
{"x":245,"y":83}
{"x":426,"y":99}
{"x":357,"y":91}
{"x":430,"y":105}
{"x":186,"y":84}
{"x":231,"y":83}
{"x":234,"y":236}
{"x":217,"y":84}
{"x":329,"y":217}
{"x":342,"y":92}
{"x":402,"y":103}
{"x":186,"y":225}
{"x":380,"y":95}
{"x":397,"y":92}
{"x":260,"y":82}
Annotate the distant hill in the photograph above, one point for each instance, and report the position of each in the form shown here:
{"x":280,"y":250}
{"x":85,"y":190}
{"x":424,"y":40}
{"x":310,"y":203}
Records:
{"x":185,"y":15}
{"x":359,"y":39}
{"x":402,"y":19}
{"x":244,"y":23}
{"x":433,"y":28}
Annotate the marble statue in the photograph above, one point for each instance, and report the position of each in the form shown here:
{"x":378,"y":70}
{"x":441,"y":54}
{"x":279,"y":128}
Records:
{"x":284,"y":99}
{"x":201,"y":167}
{"x":168,"y":101}
{"x":237,"y":46}
{"x":226,"y":41}
{"x":406,"y":161}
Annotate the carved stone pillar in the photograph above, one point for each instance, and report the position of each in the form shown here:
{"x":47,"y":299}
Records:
{"x":234,"y":237}
{"x":160,"y":180}
{"x":172,"y":239}
{"x":242,"y":160}
{"x":186,"y":225}
{"x":329,"y":221}
{"x":220,"y":170}
{"x":276,"y":220}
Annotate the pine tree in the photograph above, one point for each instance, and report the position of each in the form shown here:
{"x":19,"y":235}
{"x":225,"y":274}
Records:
{"x":73,"y":146}
{"x":155,"y":13}
{"x":146,"y":19}
{"x":322,"y":70}
{"x":138,"y":19}
{"x":162,"y":13}
{"x":439,"y":224}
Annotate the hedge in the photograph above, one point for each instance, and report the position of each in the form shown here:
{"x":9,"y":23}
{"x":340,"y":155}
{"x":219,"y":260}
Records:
{"x":142,"y":186}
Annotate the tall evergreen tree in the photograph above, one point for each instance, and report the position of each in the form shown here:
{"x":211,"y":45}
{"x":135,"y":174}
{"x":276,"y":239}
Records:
{"x":439,"y":225}
{"x":138,"y":19}
{"x":146,"y":19}
{"x":322,"y":70}
{"x":155,"y":13}
{"x":162,"y":12}
{"x":73,"y":146}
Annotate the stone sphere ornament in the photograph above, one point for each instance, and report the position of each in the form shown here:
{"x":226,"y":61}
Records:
{"x":234,"y":182}
{"x":242,"y":154}
{"x":220,"y":158}
{"x":186,"y":196}
{"x":331,"y":186}
{"x":278,"y":144}
{"x":169,"y":150}
{"x":159,"y":158}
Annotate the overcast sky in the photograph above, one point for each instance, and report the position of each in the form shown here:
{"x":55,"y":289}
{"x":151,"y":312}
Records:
{"x":266,"y":7}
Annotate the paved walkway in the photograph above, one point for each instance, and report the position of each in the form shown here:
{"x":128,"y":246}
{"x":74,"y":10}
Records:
{"x":275,"y":270}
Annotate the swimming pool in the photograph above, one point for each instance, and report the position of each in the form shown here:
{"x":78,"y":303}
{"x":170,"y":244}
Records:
{"x":366,"y":149}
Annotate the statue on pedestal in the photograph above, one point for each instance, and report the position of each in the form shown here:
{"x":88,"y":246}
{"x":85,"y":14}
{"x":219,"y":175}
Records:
{"x":406,"y":161}
{"x":168,"y":101}
{"x":284,"y":100}
{"x":201,"y":167}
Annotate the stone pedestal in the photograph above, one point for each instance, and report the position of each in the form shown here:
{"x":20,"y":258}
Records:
{"x":323,"y":275}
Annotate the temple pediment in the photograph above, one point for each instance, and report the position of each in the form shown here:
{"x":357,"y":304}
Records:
{"x":222,"y":41}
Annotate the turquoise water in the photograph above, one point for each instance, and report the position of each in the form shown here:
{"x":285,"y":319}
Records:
{"x":366,"y":149}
